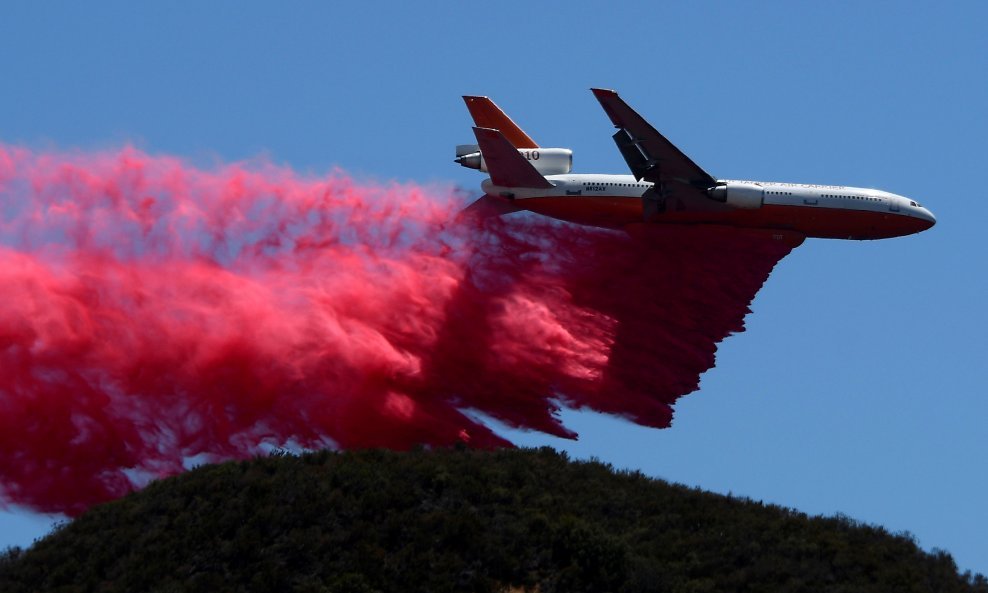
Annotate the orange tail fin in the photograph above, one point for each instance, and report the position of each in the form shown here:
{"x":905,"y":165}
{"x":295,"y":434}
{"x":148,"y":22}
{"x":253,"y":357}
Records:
{"x":488,"y":115}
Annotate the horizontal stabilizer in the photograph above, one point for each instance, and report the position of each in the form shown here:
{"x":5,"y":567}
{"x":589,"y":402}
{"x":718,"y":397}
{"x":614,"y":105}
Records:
{"x":508,"y":168}
{"x":490,"y":206}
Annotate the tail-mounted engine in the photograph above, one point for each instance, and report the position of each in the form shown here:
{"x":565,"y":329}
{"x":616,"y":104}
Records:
{"x":747,"y":196}
{"x":547,"y":161}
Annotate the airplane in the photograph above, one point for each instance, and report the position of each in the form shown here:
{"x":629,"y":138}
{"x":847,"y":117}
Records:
{"x":666,"y":186}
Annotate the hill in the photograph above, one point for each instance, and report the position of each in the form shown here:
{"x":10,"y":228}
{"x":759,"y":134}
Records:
{"x":460,"y":520}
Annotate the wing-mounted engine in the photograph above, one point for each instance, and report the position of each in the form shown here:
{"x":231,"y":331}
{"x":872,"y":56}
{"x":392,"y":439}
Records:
{"x":746,"y":196}
{"x":547,"y":161}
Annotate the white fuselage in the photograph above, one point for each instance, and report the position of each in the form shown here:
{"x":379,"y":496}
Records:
{"x":829,"y":211}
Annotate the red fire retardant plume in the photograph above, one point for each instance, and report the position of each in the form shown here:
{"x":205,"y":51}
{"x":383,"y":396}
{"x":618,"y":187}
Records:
{"x":153,"y":312}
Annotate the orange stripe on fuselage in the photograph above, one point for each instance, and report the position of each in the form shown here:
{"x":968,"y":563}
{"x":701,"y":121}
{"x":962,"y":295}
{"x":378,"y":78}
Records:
{"x":812,"y":221}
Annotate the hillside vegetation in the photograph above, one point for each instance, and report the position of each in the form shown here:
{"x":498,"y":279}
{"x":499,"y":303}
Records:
{"x":460,"y":520}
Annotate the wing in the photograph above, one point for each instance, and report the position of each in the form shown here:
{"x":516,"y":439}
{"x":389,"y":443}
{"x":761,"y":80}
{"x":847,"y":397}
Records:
{"x":649,"y":154}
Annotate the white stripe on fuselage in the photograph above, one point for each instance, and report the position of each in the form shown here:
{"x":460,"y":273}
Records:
{"x":776,"y":193}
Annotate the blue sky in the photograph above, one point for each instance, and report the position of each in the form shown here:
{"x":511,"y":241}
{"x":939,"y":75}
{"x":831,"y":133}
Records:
{"x":859,"y":386}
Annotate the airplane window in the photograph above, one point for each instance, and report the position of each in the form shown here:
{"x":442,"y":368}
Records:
{"x":913,"y":203}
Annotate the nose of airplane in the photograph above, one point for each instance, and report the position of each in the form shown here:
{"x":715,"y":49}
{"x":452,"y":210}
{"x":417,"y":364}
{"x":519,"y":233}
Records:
{"x":928,"y":217}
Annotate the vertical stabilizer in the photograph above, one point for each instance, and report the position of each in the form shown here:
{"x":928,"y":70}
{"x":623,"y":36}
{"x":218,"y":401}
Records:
{"x":488,"y":115}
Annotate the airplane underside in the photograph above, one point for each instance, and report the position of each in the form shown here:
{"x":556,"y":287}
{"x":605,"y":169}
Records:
{"x":818,"y":222}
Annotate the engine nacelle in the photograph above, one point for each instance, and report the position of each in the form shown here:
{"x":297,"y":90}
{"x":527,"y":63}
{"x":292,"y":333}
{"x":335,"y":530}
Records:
{"x":747,"y":196}
{"x":547,"y":161}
